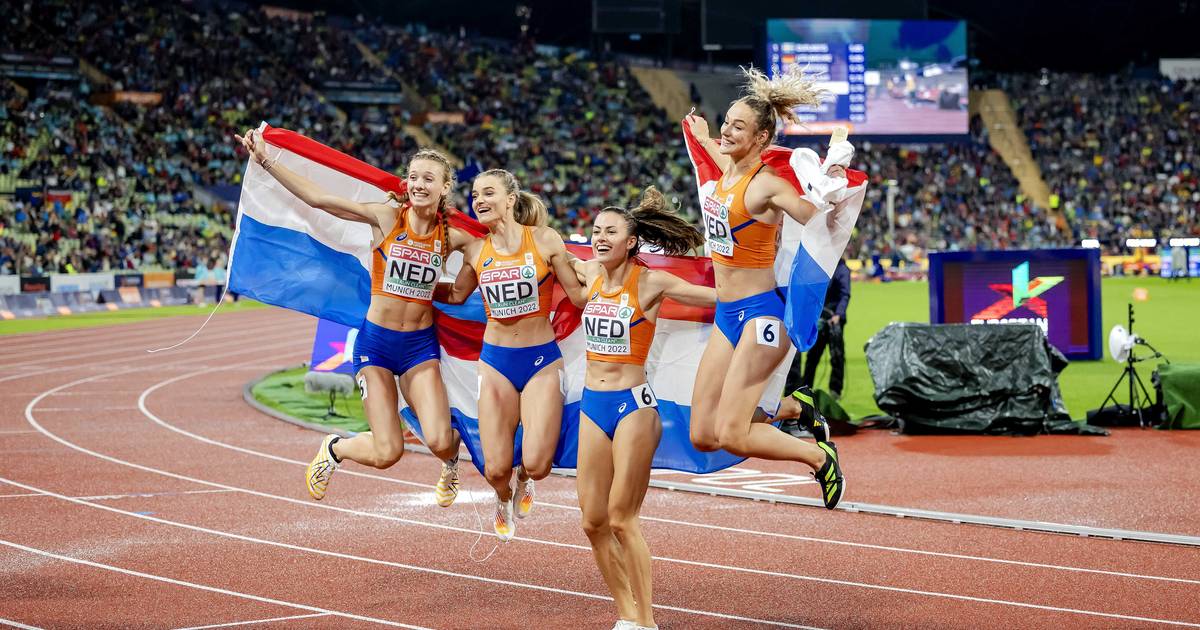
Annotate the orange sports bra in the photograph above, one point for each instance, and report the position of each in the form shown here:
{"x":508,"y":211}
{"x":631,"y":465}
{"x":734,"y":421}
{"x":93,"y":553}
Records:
{"x":615,"y":330}
{"x":516,"y":286}
{"x":406,"y":265}
{"x":736,"y":239}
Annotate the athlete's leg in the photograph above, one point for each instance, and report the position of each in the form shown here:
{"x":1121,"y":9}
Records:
{"x":706,"y":392}
{"x":748,"y":372}
{"x":423,"y":388}
{"x":593,"y":482}
{"x":633,"y":449}
{"x":541,"y":415}
{"x":383,"y":445}
{"x":499,"y":410}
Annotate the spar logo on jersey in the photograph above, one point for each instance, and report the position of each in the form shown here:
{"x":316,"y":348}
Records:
{"x":1023,"y":292}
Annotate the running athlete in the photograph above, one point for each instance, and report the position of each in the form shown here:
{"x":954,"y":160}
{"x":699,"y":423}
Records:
{"x":619,"y":427}
{"x":411,"y":240}
{"x":520,"y":366}
{"x":742,"y":219}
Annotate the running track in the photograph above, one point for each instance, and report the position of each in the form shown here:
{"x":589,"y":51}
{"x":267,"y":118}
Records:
{"x":139,"y":490}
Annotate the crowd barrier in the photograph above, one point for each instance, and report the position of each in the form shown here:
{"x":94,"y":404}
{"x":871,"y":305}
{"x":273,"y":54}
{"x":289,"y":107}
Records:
{"x":64,"y":294}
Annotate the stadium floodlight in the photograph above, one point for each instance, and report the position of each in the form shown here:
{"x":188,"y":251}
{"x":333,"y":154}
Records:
{"x":1090,"y":243}
{"x":1141,"y":242}
{"x":1185,"y":242}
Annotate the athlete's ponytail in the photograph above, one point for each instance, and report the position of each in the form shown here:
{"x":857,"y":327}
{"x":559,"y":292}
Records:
{"x":653,"y":221}
{"x":530,"y":209}
{"x":773,"y":100}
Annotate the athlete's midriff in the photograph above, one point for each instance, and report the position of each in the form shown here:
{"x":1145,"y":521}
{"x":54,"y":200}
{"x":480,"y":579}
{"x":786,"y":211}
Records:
{"x":735,"y":283}
{"x":518,"y":333}
{"x":606,"y":377}
{"x":399,"y":315}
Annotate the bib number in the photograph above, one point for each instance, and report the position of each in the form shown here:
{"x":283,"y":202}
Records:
{"x":643,"y":396}
{"x":767,"y":331}
{"x":511,"y":291}
{"x":716,"y":227}
{"x":606,"y":327}
{"x":411,"y":272}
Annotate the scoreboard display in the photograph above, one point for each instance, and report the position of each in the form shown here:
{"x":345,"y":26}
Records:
{"x":884,"y":77}
{"x":1057,"y":290}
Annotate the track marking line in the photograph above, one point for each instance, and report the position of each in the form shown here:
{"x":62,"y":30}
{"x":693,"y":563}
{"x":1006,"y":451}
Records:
{"x":33,"y":422}
{"x":17,"y":624}
{"x":254,"y":621}
{"x":377,"y":561}
{"x":738,"y":530}
{"x":203,"y":587}
{"x":97,"y":408}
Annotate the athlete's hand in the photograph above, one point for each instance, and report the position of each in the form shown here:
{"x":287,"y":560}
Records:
{"x":699,"y":125}
{"x":254,"y":144}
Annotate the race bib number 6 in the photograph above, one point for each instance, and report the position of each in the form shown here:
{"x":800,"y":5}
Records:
{"x":643,"y":396}
{"x":767,"y":331}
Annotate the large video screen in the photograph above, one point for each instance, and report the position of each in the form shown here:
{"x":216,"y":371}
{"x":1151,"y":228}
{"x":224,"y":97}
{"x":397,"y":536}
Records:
{"x":1057,"y":290}
{"x":885,"y":77}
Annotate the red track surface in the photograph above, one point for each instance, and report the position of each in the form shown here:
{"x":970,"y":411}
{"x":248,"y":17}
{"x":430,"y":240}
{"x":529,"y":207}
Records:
{"x":140,"y":490}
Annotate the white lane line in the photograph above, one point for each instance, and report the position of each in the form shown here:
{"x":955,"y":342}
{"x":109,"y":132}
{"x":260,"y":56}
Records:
{"x":141,"y":495}
{"x":204,"y":587}
{"x":109,"y":497}
{"x":737,"y":530}
{"x":17,"y":624}
{"x":376,"y":561}
{"x":93,"y":408}
{"x":254,"y":621}
{"x":238,"y":335}
{"x":676,"y":561}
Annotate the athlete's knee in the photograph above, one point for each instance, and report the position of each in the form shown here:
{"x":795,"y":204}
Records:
{"x":623,"y":523}
{"x":496,"y":474}
{"x":442,"y":444}
{"x":538,"y":470}
{"x":386,"y":453}
{"x":596,"y":528}
{"x":705,"y":441}
{"x":733,"y":439}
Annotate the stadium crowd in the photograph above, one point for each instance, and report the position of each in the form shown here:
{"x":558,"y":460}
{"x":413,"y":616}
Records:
{"x":135,"y":181}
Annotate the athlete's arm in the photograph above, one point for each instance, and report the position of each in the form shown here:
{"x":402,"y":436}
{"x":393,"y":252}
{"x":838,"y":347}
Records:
{"x":550,"y":243}
{"x":781,"y":196}
{"x":375,"y":214}
{"x":460,"y":239}
{"x":467,"y":281}
{"x":585,"y":270}
{"x":700,"y":131}
{"x":458,"y":291}
{"x":669,"y":285}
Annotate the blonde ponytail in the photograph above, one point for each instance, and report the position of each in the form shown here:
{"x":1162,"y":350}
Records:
{"x":775,"y":99}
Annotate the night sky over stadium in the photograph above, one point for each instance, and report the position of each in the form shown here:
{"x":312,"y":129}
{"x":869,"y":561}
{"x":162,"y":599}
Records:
{"x":1015,"y":35}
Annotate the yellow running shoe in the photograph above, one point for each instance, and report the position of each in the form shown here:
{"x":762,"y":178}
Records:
{"x":447,"y":485}
{"x":504,"y":524}
{"x":522,"y":494}
{"x":321,"y":469}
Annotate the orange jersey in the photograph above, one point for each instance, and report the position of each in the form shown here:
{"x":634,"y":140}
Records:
{"x":615,"y":329}
{"x":516,"y":286}
{"x":406,"y":265}
{"x":734,"y":238}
